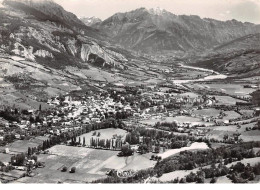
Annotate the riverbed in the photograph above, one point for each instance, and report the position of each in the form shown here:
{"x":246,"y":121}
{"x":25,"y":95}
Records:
{"x":216,"y":75}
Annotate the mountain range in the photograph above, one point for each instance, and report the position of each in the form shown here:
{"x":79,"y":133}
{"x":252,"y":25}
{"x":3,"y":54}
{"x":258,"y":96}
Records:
{"x":46,"y":50}
{"x":157,"y":30}
{"x":44,"y":26}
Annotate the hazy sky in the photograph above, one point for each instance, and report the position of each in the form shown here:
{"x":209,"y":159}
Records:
{"x":243,"y":10}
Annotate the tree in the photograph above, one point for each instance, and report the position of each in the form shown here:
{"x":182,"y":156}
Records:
{"x":73,"y":170}
{"x":35,"y":158}
{"x":157,"y":149}
{"x":108,"y":144}
{"x":225,"y":137}
{"x":126,"y":151}
{"x":84,"y":141}
{"x":182,"y":180}
{"x":213,"y":180}
{"x":64,"y":169}
{"x":29,"y":151}
{"x":256,"y":97}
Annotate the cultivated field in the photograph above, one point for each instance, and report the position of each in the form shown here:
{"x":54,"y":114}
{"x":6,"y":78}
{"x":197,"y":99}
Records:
{"x":91,"y":164}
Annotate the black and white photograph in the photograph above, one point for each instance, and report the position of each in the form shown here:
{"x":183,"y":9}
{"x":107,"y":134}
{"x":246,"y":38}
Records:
{"x":129,"y":92}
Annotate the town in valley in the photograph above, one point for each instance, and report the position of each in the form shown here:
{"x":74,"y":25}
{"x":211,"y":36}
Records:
{"x":80,"y":106}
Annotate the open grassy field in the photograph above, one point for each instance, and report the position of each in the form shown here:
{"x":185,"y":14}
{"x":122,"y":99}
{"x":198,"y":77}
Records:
{"x":173,"y":175}
{"x":193,"y":146}
{"x":219,"y":134}
{"x":231,"y":88}
{"x":223,"y":180}
{"x":20,"y":146}
{"x":91,"y":164}
{"x":104,"y":134}
{"x":231,"y":115}
{"x":182,"y":119}
{"x":247,"y":112}
{"x":5,"y":157}
{"x":188,"y":119}
{"x":207,"y":112}
{"x":178,"y":119}
{"x":189,"y":94}
{"x":243,"y":127}
{"x":251,"y":136}
{"x":226,"y":100}
{"x":231,"y":128}
{"x":150,"y":122}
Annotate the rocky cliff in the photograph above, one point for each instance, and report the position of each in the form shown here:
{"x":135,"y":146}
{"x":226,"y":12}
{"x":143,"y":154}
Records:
{"x":49,"y":41}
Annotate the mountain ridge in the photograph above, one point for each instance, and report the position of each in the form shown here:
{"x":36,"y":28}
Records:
{"x":145,"y":31}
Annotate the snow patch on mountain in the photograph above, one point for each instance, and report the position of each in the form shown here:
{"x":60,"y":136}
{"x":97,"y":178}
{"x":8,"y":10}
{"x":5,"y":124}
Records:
{"x":89,"y":21}
{"x":157,"y":11}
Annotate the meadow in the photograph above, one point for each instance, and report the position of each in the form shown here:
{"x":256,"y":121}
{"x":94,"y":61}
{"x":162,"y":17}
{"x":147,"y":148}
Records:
{"x":91,"y":164}
{"x":104,"y":134}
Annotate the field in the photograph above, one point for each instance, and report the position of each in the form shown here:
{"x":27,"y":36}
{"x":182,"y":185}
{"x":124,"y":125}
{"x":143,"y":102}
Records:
{"x":178,"y":119}
{"x":226,"y":100}
{"x":182,"y":119}
{"x":194,"y":146}
{"x":150,"y":122}
{"x":91,"y":164}
{"x":173,"y":175}
{"x":219,"y":134}
{"x":207,"y":112}
{"x":231,"y":115}
{"x":223,"y":180}
{"x":20,"y":146}
{"x":247,"y":112}
{"x":187,"y":119}
{"x":5,"y":157}
{"x":251,"y":136}
{"x":231,"y":89}
{"x":230,"y":128}
{"x":105,"y":134}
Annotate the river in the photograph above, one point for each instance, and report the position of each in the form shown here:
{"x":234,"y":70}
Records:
{"x":216,"y":75}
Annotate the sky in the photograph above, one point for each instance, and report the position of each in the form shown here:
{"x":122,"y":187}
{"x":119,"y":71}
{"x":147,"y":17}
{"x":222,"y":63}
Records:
{"x":242,"y":10}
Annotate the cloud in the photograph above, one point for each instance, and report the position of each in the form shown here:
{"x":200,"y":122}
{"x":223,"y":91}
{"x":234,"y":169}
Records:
{"x":247,"y":11}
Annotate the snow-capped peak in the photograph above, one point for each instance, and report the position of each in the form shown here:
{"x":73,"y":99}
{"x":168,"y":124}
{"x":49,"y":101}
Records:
{"x":157,"y":11}
{"x":90,"y":20}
